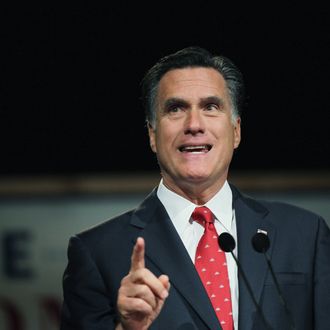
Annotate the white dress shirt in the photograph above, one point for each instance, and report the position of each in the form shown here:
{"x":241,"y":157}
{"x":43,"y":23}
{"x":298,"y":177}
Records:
{"x":180,"y":209}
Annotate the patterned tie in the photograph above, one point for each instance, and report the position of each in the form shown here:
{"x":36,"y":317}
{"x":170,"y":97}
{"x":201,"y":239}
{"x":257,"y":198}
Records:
{"x":210,"y":262}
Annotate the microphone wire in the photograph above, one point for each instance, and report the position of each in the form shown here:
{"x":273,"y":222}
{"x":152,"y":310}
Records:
{"x":227,"y":244}
{"x":260,"y":242}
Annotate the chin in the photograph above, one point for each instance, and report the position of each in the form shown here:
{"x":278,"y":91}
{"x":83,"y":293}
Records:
{"x":196,"y":176}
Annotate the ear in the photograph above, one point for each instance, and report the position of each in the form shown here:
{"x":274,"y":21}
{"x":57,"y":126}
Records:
{"x":152,"y":137}
{"x":237,"y":133}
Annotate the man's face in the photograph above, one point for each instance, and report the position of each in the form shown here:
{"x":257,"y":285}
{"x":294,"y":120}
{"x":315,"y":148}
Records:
{"x":194,"y":136}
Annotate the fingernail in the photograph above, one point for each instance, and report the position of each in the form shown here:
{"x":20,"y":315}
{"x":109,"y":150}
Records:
{"x":164,"y":294}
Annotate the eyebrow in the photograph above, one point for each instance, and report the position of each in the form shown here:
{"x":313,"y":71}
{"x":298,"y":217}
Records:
{"x":175,"y":101}
{"x":212,"y":99}
{"x":205,"y":100}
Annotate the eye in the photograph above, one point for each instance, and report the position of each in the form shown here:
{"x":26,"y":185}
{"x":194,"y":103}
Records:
{"x":211,"y":107}
{"x":174,"y":109}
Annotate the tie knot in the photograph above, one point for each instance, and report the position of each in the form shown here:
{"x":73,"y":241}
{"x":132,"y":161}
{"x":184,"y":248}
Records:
{"x":202,"y":215}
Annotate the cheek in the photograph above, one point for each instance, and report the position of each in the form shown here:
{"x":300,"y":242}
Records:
{"x":226,"y":138}
{"x":166,"y":136}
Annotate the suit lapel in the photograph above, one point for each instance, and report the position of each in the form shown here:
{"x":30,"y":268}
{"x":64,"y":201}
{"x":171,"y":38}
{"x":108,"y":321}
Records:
{"x":166,"y":251}
{"x":250,"y":216}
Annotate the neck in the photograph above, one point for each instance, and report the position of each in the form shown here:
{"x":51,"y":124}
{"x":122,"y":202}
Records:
{"x":198,"y":194}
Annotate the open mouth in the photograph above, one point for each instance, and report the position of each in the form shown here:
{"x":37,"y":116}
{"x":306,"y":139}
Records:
{"x":204,"y":148}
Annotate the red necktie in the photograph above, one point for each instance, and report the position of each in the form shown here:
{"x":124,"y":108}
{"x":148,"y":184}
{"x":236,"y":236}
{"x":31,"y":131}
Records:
{"x":210,"y":262}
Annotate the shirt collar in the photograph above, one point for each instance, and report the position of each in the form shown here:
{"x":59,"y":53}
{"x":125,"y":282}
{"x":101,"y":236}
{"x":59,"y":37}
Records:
{"x":179,"y":208}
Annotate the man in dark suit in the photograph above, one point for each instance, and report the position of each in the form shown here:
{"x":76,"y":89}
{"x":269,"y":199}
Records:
{"x":137,"y":271}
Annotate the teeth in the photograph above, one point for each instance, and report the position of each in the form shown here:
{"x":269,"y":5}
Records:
{"x":195,"y":148}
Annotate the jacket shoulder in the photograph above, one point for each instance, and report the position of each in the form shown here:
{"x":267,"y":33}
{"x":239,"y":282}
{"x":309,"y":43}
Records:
{"x":274,"y":207}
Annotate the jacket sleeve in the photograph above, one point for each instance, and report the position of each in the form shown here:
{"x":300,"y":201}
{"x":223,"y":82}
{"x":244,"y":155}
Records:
{"x":322,"y":278}
{"x":86,"y":304}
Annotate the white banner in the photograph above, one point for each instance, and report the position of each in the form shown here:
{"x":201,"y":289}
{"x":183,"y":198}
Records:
{"x":34,"y":235}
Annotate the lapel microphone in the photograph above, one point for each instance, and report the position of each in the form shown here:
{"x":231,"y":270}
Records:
{"x":261,"y":243}
{"x":227,"y":244}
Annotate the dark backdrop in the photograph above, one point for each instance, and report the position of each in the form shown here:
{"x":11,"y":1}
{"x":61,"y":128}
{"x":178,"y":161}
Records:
{"x":70,"y":82}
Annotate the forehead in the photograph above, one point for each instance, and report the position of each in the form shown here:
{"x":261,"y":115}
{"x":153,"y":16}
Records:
{"x":197,"y":80}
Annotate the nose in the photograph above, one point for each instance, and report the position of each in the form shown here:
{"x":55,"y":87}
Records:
{"x":194,"y":123}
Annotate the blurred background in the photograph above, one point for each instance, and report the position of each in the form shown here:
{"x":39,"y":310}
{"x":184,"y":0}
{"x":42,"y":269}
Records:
{"x":74,"y":146}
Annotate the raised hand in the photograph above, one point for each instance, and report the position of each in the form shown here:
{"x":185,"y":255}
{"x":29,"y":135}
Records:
{"x":141,"y":295}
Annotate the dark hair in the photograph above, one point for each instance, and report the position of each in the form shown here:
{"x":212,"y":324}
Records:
{"x":192,"y":57}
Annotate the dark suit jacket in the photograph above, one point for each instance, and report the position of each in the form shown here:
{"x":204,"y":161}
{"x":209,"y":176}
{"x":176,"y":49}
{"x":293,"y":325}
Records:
{"x":300,"y":254}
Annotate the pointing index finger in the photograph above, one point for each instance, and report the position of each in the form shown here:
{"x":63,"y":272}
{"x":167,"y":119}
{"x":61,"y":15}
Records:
{"x":137,"y":258}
